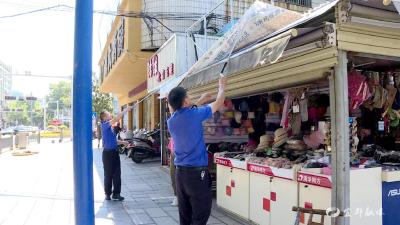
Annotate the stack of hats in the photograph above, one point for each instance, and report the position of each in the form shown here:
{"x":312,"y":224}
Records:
{"x":280,"y":137}
{"x":266,"y":141}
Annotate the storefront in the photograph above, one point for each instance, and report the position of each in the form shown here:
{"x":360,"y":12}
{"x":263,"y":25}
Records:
{"x":169,"y":62}
{"x":318,"y":129}
{"x":123,"y":69}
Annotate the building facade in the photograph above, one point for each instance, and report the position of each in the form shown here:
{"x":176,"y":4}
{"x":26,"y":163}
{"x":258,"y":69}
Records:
{"x":129,"y":59}
{"x":5,"y":86}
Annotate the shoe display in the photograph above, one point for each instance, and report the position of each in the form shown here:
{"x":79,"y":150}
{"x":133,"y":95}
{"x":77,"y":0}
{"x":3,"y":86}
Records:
{"x":117,"y":198}
{"x":174,"y":202}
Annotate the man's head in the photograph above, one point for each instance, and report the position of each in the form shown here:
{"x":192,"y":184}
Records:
{"x":105,"y":116}
{"x":178,"y":98}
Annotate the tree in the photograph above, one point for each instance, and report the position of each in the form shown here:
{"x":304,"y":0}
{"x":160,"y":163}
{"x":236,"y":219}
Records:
{"x":59,"y":92}
{"x":100,"y":101}
{"x":24,"y":113}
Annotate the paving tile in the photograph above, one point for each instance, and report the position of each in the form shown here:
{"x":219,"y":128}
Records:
{"x":156,"y":212}
{"x":140,"y":218}
{"x":170,"y":208}
{"x":213,"y":220}
{"x":165,"y":221}
{"x":229,"y":220}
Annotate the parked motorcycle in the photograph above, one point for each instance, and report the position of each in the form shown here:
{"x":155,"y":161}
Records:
{"x":124,"y":138}
{"x":144,"y":148}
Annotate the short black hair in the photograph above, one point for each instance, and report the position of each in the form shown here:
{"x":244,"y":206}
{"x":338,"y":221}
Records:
{"x":176,"y":97}
{"x":102,"y":114}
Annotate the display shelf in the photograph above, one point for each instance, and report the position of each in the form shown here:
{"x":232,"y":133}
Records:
{"x":233,"y":190}
{"x":229,"y":162}
{"x":232,"y":139}
{"x":272,"y":171}
{"x":390,"y":176}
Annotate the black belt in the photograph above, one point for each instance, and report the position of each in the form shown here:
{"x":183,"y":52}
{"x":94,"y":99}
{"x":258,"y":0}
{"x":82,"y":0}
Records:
{"x":187,"y":168}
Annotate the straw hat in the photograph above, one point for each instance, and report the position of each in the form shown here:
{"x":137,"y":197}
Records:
{"x":265,"y":142}
{"x":251,"y":115}
{"x":229,"y":114}
{"x":238,"y":117}
{"x":280,"y":137}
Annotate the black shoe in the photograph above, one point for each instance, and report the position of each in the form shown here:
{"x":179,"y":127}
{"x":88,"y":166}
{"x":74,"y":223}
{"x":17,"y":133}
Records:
{"x":108,"y":198}
{"x":117,"y":198}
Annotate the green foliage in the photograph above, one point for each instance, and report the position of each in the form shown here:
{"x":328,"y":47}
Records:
{"x":31,"y":112}
{"x":100,"y":101}
{"x":61,"y":92}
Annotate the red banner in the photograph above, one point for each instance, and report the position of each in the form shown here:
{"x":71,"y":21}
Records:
{"x":314,"y":180}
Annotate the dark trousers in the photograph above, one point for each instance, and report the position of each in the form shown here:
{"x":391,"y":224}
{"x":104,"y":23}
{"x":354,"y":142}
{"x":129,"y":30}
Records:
{"x":112,"y":172}
{"x":194,"y":195}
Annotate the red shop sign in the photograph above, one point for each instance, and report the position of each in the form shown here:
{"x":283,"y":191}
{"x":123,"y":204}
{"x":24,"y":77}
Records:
{"x":223,"y":162}
{"x":260,"y":169}
{"x":314,"y":180}
{"x":161,"y":74}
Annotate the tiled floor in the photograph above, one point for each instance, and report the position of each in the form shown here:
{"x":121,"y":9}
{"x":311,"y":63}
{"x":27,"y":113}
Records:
{"x":38,"y":190}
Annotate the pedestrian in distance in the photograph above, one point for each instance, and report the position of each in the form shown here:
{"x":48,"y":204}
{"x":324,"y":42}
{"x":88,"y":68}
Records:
{"x":111,"y":160}
{"x":193,"y":181}
{"x":98,"y":134}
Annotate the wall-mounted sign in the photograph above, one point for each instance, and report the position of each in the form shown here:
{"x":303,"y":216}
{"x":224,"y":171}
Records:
{"x":115,"y":49}
{"x":162,"y":65}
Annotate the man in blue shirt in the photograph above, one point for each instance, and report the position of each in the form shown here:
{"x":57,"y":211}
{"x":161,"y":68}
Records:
{"x":193,"y":181}
{"x":111,"y":160}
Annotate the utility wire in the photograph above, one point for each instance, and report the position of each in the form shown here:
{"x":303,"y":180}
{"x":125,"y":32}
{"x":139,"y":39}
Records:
{"x":36,"y":11}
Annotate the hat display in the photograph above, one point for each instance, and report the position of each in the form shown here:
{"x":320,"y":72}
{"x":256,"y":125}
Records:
{"x":228,"y":104}
{"x":217,"y":116}
{"x":209,"y":131}
{"x":244,"y":106}
{"x":296,"y":145}
{"x":246,"y":123}
{"x":315,"y":139}
{"x":229,"y":114}
{"x":251,"y":115}
{"x":228,"y":131}
{"x":238,"y":116}
{"x":243,"y":131}
{"x":280,"y":137}
{"x":219,"y":131}
{"x":266,"y":141}
{"x":235,"y":124}
{"x":250,"y":130}
{"x":226,"y":122}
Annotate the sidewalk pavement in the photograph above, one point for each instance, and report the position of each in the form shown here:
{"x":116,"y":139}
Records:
{"x":38,"y":189}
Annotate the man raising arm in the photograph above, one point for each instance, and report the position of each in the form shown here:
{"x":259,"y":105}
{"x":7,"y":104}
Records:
{"x":193,"y":181}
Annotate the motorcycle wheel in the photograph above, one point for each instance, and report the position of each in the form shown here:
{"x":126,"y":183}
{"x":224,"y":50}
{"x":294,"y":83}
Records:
{"x":138,"y":157}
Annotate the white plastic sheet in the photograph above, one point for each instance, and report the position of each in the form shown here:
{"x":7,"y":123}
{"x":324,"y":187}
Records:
{"x":260,"y":20}
{"x":396,"y":4}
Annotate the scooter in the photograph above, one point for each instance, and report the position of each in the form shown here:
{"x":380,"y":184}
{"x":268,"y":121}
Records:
{"x":124,"y":138}
{"x":141,"y":148}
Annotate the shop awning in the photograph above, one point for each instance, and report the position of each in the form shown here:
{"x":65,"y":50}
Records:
{"x":267,"y":50}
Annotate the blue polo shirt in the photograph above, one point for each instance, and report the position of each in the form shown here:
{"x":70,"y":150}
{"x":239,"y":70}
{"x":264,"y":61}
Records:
{"x":186,"y":129}
{"x":109,"y":137}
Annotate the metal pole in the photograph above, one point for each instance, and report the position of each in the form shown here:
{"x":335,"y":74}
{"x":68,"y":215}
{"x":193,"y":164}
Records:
{"x":58,"y":111}
{"x":163,"y":131}
{"x":341,"y":150}
{"x":231,"y":8}
{"x":82,"y":114}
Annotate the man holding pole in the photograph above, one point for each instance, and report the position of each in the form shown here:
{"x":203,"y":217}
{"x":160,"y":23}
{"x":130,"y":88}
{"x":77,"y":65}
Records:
{"x":193,"y":181}
{"x":111,"y":160}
